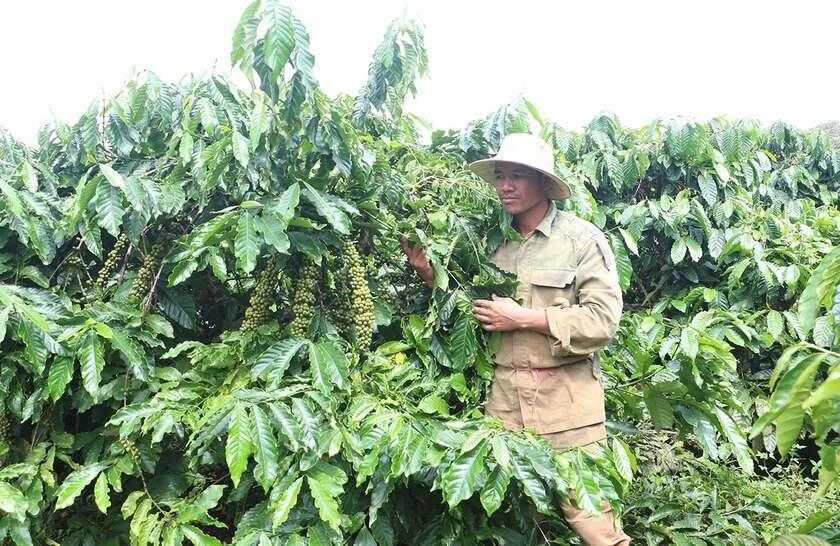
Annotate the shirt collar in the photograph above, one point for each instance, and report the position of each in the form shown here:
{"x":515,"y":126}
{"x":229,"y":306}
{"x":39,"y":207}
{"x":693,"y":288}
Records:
{"x":544,"y":226}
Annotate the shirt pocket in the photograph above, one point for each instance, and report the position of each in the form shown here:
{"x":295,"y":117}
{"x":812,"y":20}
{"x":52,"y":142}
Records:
{"x":553,"y":287}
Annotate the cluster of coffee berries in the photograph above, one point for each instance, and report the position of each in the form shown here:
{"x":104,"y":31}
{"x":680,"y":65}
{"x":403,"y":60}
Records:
{"x":835,"y":307}
{"x":360,"y":298}
{"x":130,"y":448}
{"x":306,"y":286}
{"x":339,"y":307}
{"x":5,"y":428}
{"x":113,"y":259}
{"x":259,"y":307}
{"x":74,"y":260}
{"x":146,"y":274}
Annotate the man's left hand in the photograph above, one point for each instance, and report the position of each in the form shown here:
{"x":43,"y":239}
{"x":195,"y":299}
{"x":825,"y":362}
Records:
{"x":505,"y":315}
{"x":499,"y":314}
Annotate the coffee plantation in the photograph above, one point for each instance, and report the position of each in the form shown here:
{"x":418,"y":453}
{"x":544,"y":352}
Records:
{"x":210,"y":334}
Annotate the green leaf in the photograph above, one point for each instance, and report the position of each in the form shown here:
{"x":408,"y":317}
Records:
{"x":100,"y":493}
{"x":75,"y":483}
{"x":242,"y":46}
{"x":661,"y":413}
{"x":198,"y":537}
{"x":246,"y":244}
{"x":493,"y":492}
{"x":622,"y":261}
{"x":177,"y":305}
{"x":287,"y":499}
{"x":819,"y":287}
{"x":12,"y":501}
{"x":789,"y":394}
{"x":693,"y":249}
{"x":186,"y":146}
{"x":198,"y":508}
{"x":4,"y":320}
{"x":324,"y":489}
{"x":61,"y":372}
{"x":722,"y":172}
{"x":287,"y":203}
{"x":276,"y":359}
{"x":241,"y":149}
{"x":279,"y":38}
{"x":184,"y":269}
{"x":365,"y":538}
{"x":329,"y":367}
{"x":85,"y":192}
{"x":143,"y":522}
{"x":239,"y":445}
{"x":310,"y":423}
{"x":823,"y":333}
{"x":339,"y":143}
{"x":128,"y":348}
{"x":688,"y":342}
{"x":136,"y":195}
{"x":327,"y":208}
{"x":623,"y":459}
{"x":799,"y":540}
{"x":208,"y":233}
{"x":460,"y":477}
{"x":532,"y":485}
{"x":433,"y":404}
{"x":34,"y":274}
{"x":815,"y":520}
{"x":828,"y":389}
{"x":587,"y":491}
{"x":30,"y":176}
{"x":274,"y":232}
{"x":209,"y":119}
{"x":19,"y":532}
{"x":91,"y":361}
{"x":289,"y":425}
{"x":708,"y":188}
{"x":737,"y":438}
{"x":775,"y":323}
{"x":259,"y":121}
{"x":109,"y":208}
{"x":717,"y":242}
{"x":462,"y":342}
{"x":129,"y":417}
{"x":629,"y":241}
{"x":678,"y":250}
{"x":112,"y":176}
{"x":303,"y":58}
{"x":13,"y":199}
{"x":265,"y":448}
{"x":35,"y":347}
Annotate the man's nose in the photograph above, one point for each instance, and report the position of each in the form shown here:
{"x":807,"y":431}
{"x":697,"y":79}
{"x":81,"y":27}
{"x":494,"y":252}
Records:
{"x":504,"y":183}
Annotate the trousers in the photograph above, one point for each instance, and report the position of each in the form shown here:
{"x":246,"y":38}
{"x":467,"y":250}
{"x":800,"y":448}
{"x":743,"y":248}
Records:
{"x":604,"y":530}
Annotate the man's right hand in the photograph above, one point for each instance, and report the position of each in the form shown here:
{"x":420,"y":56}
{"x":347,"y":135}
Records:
{"x":418,"y":259}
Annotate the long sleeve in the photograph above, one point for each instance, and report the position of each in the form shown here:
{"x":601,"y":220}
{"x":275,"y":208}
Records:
{"x":584,"y":326}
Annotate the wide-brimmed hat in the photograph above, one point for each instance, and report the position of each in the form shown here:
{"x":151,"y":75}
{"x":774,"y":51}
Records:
{"x":530,"y":151}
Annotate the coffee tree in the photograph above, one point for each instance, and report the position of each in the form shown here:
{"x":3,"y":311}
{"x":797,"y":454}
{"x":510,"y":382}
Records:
{"x":209,"y":333}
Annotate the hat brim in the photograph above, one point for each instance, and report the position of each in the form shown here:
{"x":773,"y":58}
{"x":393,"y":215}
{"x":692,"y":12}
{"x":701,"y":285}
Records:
{"x":486,"y":169}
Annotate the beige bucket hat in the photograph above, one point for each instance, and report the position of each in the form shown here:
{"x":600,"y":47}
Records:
{"x":530,"y":151}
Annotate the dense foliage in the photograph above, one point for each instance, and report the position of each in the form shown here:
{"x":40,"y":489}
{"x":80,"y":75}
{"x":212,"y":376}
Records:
{"x":209,"y":333}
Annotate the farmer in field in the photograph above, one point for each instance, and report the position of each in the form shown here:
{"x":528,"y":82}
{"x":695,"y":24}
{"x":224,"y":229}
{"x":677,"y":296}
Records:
{"x":548,"y":377}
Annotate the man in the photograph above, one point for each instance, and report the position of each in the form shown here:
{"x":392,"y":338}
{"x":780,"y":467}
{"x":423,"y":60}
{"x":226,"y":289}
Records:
{"x":547,"y":375}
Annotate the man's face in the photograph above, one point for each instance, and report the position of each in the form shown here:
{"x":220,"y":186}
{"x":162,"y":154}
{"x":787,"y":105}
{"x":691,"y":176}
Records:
{"x":521,"y":189}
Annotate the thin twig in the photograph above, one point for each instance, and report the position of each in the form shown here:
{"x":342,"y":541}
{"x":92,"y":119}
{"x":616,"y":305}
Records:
{"x":149,"y":296}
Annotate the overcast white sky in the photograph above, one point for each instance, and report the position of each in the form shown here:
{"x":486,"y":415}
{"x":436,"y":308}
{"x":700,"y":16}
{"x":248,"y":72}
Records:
{"x":640,"y":60}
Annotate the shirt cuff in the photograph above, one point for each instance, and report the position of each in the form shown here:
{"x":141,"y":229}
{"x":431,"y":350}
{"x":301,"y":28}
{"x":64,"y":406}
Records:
{"x":560,"y":331}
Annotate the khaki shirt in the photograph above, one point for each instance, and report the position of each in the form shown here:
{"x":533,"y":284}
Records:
{"x":552,"y":383}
